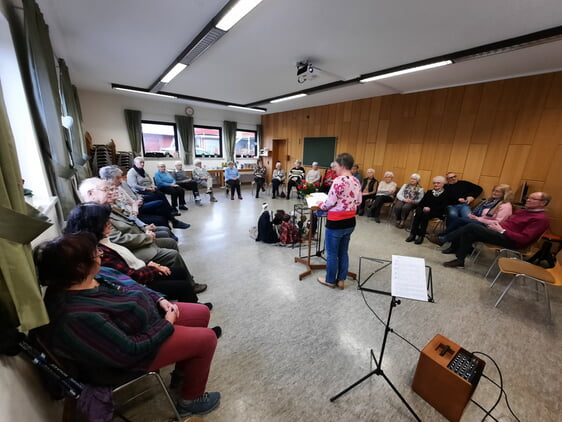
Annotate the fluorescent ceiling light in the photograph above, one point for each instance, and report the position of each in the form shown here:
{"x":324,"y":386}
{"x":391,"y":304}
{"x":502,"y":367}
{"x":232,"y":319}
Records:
{"x":292,"y":97}
{"x":173,"y":72}
{"x":238,"y":11}
{"x":404,"y":71}
{"x":246,"y":108}
{"x":144,"y":92}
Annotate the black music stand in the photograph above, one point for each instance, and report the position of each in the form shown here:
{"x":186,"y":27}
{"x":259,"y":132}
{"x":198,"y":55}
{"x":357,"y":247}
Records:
{"x":393,"y":303}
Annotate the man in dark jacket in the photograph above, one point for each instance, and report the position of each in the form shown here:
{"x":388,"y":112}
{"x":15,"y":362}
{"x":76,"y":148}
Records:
{"x":431,"y":206}
{"x":459,"y":194}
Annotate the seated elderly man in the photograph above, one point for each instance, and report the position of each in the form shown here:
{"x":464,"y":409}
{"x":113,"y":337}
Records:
{"x":157,"y":212}
{"x":125,"y":232}
{"x":459,"y":193}
{"x":313,"y":175}
{"x":203,"y":178}
{"x":140,"y":182}
{"x":519,"y":231}
{"x":185,"y":181}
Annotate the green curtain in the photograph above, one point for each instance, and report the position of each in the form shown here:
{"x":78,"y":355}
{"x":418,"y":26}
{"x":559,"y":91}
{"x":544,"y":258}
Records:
{"x":74,"y":136}
{"x":46,"y":109}
{"x":20,"y":297}
{"x":133,"y":119}
{"x":185,"y":129}
{"x":259,"y":137}
{"x":230,"y":140}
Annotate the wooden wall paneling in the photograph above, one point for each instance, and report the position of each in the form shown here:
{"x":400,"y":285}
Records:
{"x":512,"y":94}
{"x":491,"y":96}
{"x":430,"y":143}
{"x":554,"y":99}
{"x":499,"y":142}
{"x":419,"y":125}
{"x":454,"y":101}
{"x":381,"y":142}
{"x":363,"y":131}
{"x":461,"y":143}
{"x":515,"y":160}
{"x":474,"y":162}
{"x":324,"y":116}
{"x":332,"y":112}
{"x":344,"y":140}
{"x":547,"y":139}
{"x":347,"y":111}
{"x":471,"y":100}
{"x":369,"y":156}
{"x":525,"y":126}
{"x":364,"y":109}
{"x":537,"y":91}
{"x":372,"y":131}
{"x":426,"y":179}
{"x":386,"y":107}
{"x":438,"y":101}
{"x":412,"y":160}
{"x":423,"y":103}
{"x":399,"y":130}
{"x":487,"y":183}
{"x":482,"y":130}
{"x":553,"y":186}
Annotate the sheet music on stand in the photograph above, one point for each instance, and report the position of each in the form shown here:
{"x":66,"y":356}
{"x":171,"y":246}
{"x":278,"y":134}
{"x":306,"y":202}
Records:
{"x":408,"y":278}
{"x":315,"y":198}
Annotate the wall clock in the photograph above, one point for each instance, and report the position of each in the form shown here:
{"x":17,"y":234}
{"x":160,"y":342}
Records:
{"x":189,"y":111}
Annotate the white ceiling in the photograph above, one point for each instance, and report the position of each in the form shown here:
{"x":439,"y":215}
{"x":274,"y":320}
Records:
{"x":132,"y":42}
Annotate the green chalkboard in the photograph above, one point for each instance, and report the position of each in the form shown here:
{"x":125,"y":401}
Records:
{"x":322,"y":150}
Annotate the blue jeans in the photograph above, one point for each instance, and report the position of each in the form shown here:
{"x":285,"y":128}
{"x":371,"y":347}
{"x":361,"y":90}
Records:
{"x":457,"y":211}
{"x":337,"y":262}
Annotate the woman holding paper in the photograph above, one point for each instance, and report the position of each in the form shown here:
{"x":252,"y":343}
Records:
{"x":343,"y":199}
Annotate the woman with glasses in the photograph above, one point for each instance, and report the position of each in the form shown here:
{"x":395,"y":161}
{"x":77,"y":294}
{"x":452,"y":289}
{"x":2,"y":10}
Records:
{"x":108,"y":325}
{"x":175,"y":282}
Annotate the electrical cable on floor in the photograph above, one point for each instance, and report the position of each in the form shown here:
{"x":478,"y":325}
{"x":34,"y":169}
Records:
{"x":500,"y":386}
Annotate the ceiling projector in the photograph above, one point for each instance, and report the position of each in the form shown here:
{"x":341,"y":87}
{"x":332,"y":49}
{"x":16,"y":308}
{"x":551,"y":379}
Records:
{"x":305,"y":71}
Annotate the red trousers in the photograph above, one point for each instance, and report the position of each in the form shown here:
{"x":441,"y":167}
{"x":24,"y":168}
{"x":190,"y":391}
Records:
{"x":191,"y":347}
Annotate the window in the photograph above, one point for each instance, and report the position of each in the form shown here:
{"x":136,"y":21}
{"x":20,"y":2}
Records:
{"x":208,"y":141}
{"x":246,"y":145}
{"x":159,"y":139}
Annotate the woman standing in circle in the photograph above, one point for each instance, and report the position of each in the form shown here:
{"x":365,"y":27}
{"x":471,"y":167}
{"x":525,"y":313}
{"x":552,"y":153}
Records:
{"x":343,"y":199}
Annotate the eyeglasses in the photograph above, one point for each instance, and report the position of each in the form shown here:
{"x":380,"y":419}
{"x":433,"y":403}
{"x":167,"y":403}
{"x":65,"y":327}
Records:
{"x":451,"y":177}
{"x":99,"y":252}
{"x":535,"y":199}
{"x":106,"y":189}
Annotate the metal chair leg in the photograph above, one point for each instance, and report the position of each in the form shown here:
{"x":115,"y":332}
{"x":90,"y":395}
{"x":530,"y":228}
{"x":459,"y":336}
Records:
{"x":496,"y":279}
{"x":505,"y":291}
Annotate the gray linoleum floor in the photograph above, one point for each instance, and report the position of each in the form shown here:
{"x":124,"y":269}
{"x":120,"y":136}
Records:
{"x":290,"y":345}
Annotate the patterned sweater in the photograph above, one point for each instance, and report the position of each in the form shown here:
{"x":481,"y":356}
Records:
{"x":343,"y":199}
{"x":114,"y":325}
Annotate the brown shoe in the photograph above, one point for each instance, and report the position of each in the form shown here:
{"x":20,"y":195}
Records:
{"x":341,"y":284}
{"x":322,"y":280}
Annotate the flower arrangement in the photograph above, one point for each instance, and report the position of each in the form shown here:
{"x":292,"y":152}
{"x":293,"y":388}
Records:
{"x":307,"y":188}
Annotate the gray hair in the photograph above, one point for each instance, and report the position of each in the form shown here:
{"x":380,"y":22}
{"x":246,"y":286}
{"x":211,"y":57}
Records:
{"x":388,"y":173}
{"x":197,"y":162}
{"x":161,"y":163}
{"x":416,"y":176}
{"x":371,"y":171}
{"x":109,"y":173}
{"x":88,"y":185}
{"x":441,"y":179}
{"x":178,"y":163}
{"x":138,"y":160}
{"x":315,"y":163}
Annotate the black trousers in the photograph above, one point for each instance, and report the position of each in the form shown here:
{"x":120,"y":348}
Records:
{"x":375,"y":209}
{"x":275,"y":187}
{"x":260,"y":181}
{"x":176,"y":286}
{"x":463,"y":238}
{"x":177,"y":194}
{"x":234,"y":186}
{"x":191,"y":185}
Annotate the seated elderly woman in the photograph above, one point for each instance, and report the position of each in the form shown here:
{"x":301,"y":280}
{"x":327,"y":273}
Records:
{"x":328,"y":178}
{"x":259,"y":177}
{"x":232,"y":179}
{"x":385,"y":193}
{"x":295,"y":177}
{"x":496,"y":208}
{"x":174,"y":282}
{"x":140,"y":182}
{"x":277,"y":179}
{"x":409,"y":195}
{"x":157,"y":211}
{"x":103,"y":322}
{"x":185,"y":181}
{"x":368,"y":190}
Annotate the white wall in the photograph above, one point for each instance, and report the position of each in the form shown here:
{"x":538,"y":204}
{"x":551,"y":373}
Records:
{"x":104,"y":118}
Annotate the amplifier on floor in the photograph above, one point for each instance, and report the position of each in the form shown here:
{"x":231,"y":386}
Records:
{"x":446,"y":376}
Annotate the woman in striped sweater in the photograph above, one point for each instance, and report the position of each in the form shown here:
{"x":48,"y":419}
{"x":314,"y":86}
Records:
{"x":103,"y":321}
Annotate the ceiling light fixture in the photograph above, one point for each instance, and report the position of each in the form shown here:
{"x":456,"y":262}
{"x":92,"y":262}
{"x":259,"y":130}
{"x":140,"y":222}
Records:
{"x":291,"y":97}
{"x":259,"y":110}
{"x":138,"y":91}
{"x":175,"y":71}
{"x":405,"y":71}
{"x":237,"y":12}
